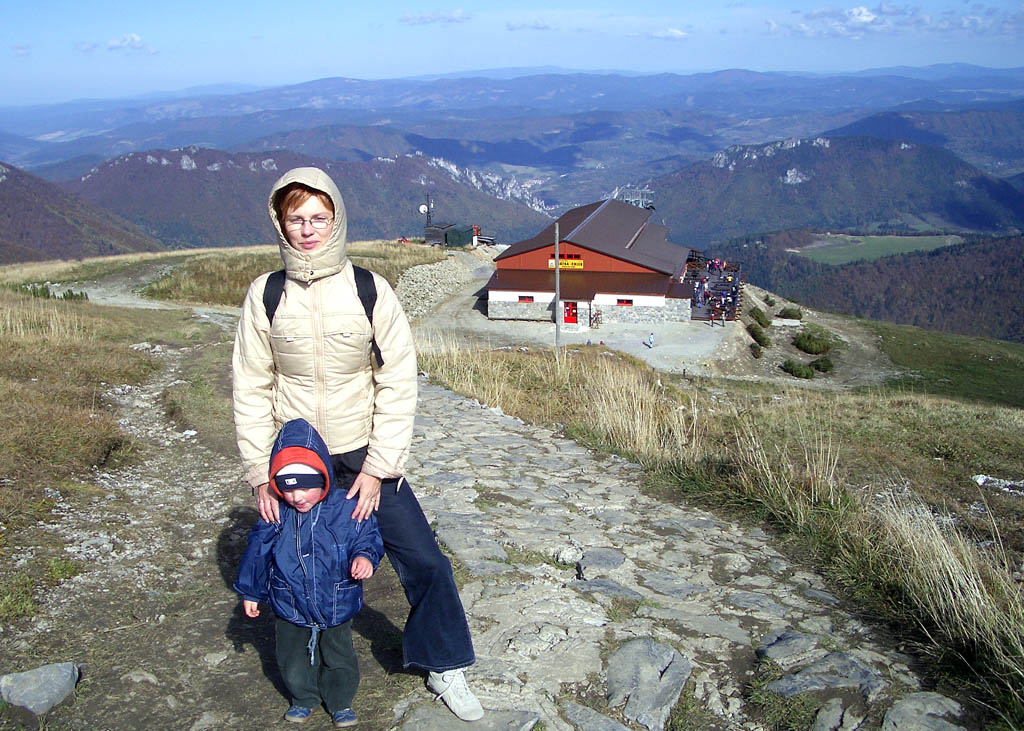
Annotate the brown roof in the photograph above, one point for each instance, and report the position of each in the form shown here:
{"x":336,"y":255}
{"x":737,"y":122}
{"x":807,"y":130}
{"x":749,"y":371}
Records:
{"x":614,"y":228}
{"x":576,"y":285}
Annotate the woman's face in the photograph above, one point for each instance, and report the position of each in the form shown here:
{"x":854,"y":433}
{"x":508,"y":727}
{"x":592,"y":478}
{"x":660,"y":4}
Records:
{"x":299,"y":226}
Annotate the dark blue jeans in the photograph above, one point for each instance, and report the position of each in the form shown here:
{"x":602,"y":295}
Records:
{"x":436,"y":635}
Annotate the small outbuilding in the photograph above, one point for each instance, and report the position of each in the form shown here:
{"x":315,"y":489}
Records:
{"x":614,"y":265}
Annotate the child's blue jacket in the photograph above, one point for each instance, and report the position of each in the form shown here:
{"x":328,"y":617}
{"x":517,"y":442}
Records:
{"x":301,"y":566}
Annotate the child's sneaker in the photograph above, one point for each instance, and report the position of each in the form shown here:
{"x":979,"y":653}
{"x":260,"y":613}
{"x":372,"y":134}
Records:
{"x":451,"y":687}
{"x":344,"y":717}
{"x":297,"y":714}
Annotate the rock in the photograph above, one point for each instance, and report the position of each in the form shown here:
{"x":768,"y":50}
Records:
{"x":836,"y":670}
{"x":669,"y":585}
{"x":438,"y":718}
{"x":213,"y":659}
{"x":141,"y":676}
{"x":921,"y":712}
{"x":600,"y":559}
{"x":829,"y":717}
{"x":41,"y":689}
{"x":790,"y":650}
{"x":468,"y":538}
{"x":651,"y":675}
{"x":208,"y":720}
{"x":567,"y":555}
{"x":606,"y":586}
{"x":587,"y":718}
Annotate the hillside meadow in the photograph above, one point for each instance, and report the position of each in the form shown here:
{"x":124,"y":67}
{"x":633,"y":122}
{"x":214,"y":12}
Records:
{"x":872,"y":487}
{"x":834,"y":249}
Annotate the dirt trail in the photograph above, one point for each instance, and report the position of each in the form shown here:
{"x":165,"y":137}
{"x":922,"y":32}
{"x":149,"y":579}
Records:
{"x":153,"y":619}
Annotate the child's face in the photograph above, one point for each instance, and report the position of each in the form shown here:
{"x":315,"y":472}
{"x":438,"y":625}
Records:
{"x":303,"y":500}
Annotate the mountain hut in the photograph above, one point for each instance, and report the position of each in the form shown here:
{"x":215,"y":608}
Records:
{"x":615,"y":265}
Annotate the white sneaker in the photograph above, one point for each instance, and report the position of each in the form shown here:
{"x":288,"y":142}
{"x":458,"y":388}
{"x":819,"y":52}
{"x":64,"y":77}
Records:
{"x":451,"y":687}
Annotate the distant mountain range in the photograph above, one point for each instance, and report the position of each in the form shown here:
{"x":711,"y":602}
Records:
{"x":990,"y":136}
{"x":833,"y":182}
{"x":200,"y":197}
{"x":726,"y":153}
{"x":40,"y":221}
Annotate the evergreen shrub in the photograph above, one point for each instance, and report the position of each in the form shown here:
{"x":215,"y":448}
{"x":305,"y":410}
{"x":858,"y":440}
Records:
{"x":813,"y":343}
{"x":798,"y":369}
{"x":757,"y":333}
{"x":769,"y":300}
{"x":823,"y":364}
{"x":791,"y":313}
{"x":756,"y":350}
{"x":757,"y":314}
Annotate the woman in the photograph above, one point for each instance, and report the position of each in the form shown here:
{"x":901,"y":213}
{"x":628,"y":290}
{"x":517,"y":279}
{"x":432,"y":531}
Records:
{"x":314,"y":361}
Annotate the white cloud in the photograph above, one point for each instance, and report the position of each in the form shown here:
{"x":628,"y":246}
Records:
{"x":670,"y":34}
{"x":976,"y":19}
{"x":22,"y":49}
{"x":86,"y":46}
{"x":534,"y":25}
{"x":129,"y":42}
{"x":451,"y":16}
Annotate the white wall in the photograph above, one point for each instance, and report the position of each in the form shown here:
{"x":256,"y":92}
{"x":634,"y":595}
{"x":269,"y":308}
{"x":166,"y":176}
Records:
{"x":608,"y":300}
{"x":505,"y":296}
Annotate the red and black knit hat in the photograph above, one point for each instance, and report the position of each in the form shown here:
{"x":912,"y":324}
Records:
{"x":298,"y":481}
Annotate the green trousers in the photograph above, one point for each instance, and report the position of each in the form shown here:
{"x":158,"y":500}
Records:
{"x":333,"y":677}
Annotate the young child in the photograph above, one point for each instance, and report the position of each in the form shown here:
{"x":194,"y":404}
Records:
{"x":309,"y":568}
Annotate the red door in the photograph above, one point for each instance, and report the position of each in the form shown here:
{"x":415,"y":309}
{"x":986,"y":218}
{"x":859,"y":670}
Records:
{"x":570,"y":313}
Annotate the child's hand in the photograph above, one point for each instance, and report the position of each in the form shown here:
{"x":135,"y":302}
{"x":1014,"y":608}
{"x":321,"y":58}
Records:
{"x":361,"y":568}
{"x":252,"y":609}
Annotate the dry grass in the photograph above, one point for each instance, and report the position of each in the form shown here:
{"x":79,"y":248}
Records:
{"x":222,"y":276}
{"x":821,"y":468}
{"x":61,"y":270}
{"x":56,"y":360}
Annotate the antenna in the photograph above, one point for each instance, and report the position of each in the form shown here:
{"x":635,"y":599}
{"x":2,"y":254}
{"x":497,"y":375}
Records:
{"x":636,"y":196}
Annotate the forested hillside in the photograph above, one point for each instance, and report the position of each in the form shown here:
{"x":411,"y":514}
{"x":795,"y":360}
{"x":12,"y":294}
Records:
{"x":40,"y":221}
{"x":834,"y":183}
{"x":990,"y":137}
{"x":202,"y":197}
{"x":973,"y":288}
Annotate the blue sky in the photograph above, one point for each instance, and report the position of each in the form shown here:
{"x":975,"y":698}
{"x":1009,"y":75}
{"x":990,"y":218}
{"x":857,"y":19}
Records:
{"x":56,"y":50}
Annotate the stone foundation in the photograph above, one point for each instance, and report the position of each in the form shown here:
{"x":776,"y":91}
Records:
{"x":675,"y":310}
{"x":542,"y":311}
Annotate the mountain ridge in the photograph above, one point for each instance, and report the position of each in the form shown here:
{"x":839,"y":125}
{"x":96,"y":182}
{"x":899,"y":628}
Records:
{"x":39,"y":221}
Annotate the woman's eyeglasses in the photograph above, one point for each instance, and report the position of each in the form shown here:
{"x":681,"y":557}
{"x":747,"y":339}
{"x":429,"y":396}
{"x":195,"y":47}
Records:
{"x":318,"y":222}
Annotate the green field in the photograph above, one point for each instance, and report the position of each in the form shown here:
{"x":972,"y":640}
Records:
{"x":835,"y":249}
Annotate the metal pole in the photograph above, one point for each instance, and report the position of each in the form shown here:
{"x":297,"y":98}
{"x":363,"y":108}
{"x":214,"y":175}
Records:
{"x":558,"y":296}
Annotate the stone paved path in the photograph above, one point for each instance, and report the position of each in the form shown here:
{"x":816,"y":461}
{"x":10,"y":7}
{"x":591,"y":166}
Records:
{"x":568,"y":562}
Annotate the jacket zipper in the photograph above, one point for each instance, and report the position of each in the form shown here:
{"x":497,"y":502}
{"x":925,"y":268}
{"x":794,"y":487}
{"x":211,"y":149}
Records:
{"x":319,"y":377}
{"x":309,"y":576}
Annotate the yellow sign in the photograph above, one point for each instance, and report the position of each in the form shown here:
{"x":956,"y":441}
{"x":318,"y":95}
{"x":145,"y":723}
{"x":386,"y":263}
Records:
{"x":566,"y":264}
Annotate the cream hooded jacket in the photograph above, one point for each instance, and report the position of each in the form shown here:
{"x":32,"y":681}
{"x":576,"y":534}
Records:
{"x":315,"y":361}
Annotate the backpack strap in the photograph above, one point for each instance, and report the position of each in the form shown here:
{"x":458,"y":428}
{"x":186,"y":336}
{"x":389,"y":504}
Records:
{"x":272,"y":293}
{"x":365,"y":289}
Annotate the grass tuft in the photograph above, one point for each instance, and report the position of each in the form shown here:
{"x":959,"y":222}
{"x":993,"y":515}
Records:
{"x":16,"y":598}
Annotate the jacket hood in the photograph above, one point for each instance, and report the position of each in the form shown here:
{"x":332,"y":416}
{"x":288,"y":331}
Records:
{"x":299,"y":442}
{"x":329,"y":258}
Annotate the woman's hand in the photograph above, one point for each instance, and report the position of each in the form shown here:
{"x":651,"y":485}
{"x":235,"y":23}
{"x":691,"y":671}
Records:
{"x":361,"y":568}
{"x":368,"y":489}
{"x":267,"y":504}
{"x":252,"y":609}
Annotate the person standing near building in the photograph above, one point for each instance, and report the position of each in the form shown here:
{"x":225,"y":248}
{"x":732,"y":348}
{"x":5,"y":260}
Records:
{"x":353,"y":377}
